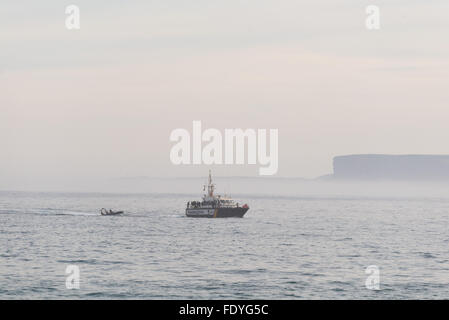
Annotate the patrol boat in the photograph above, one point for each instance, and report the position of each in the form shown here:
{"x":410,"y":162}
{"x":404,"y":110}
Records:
{"x":215,"y":206}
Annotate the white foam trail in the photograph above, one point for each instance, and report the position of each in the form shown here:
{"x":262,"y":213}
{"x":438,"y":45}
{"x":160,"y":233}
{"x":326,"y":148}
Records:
{"x":78,"y":213}
{"x":62,"y":212}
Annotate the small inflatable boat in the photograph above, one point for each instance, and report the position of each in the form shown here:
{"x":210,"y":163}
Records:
{"x":105,"y":212}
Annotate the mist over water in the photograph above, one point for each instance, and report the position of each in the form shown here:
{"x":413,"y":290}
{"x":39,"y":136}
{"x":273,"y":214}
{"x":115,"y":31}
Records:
{"x":308,"y":239}
{"x":247,"y":186}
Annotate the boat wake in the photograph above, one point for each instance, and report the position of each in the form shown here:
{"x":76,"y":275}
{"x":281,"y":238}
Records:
{"x":60,"y":212}
{"x":77,"y":213}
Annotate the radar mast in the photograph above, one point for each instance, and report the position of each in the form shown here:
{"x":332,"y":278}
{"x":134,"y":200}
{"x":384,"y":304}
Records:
{"x":210,"y":186}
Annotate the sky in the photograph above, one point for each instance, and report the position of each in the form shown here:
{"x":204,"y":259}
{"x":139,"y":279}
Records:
{"x":101,"y":102}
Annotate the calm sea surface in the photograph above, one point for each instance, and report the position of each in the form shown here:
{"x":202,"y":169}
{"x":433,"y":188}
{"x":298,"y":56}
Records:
{"x":284,"y":248}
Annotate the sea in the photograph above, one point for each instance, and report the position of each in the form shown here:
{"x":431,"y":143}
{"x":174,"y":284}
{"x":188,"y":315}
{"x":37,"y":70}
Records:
{"x":287,"y":246}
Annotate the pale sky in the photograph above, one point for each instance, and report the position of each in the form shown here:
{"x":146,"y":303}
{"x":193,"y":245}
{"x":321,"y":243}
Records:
{"x":100,"y":102}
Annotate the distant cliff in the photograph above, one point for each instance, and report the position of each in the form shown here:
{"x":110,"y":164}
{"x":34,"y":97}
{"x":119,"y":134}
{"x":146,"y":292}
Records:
{"x":391,"y":167}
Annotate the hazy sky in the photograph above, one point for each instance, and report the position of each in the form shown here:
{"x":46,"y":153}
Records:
{"x":100,"y":102}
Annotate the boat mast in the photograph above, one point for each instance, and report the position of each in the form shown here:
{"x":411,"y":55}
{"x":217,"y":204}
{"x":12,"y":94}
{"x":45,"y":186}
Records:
{"x":210,"y":187}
